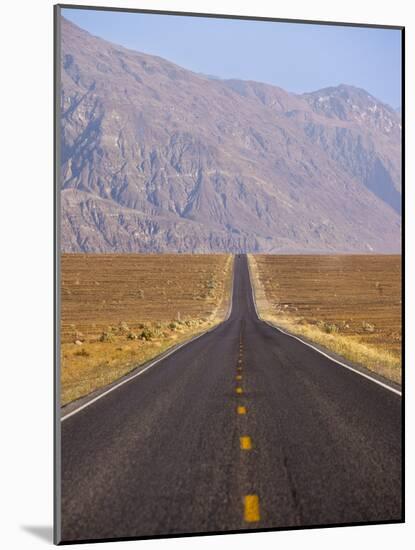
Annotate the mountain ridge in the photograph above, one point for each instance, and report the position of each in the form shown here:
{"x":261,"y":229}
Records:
{"x":157,"y":158}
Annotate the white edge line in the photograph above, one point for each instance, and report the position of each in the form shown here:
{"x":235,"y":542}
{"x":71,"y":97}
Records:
{"x":142,"y":371}
{"x":317,"y":349}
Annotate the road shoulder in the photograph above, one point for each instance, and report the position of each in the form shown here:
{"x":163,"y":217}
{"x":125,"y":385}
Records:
{"x":331,"y":355}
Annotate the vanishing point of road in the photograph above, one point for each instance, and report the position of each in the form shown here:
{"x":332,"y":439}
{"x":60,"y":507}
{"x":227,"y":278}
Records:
{"x":243,"y":428}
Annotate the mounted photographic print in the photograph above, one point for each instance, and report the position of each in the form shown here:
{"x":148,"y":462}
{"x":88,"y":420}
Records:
{"x":228,"y":274}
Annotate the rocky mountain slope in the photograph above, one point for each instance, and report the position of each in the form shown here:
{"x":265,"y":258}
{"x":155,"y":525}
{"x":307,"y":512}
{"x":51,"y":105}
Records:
{"x":157,"y":158}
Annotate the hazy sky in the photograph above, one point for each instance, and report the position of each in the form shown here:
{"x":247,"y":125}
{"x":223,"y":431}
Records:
{"x":297,"y":57}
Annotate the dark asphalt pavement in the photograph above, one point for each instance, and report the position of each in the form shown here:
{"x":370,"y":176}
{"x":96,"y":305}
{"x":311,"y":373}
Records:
{"x":163,"y":454}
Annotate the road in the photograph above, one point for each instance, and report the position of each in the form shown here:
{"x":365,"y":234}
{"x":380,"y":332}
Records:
{"x":244,"y":428}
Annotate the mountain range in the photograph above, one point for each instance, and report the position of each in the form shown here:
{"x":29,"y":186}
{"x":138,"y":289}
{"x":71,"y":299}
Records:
{"x":157,"y":158}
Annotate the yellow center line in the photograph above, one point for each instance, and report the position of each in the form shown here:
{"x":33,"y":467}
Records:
{"x":241,"y":410}
{"x":239,"y":390}
{"x":251,"y":508}
{"x":238,"y":377}
{"x":246,"y":443}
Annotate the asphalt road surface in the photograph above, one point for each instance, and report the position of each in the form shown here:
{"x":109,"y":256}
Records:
{"x":244,"y":428}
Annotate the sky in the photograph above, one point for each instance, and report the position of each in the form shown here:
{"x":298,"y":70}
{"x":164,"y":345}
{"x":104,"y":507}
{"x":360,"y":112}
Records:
{"x":296,"y":57}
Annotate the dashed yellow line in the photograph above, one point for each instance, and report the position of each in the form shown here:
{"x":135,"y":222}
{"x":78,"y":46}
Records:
{"x":251,"y":502}
{"x":251,"y":508}
{"x":246,"y":443}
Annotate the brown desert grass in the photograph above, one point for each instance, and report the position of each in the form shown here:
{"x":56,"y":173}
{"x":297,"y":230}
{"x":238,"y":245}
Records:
{"x":119,"y":311}
{"x":349,"y":304}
